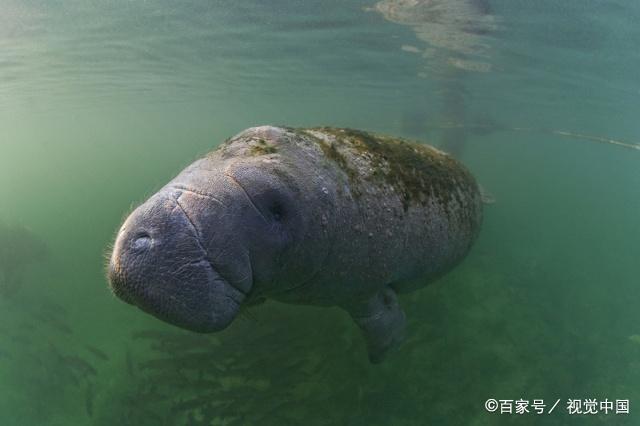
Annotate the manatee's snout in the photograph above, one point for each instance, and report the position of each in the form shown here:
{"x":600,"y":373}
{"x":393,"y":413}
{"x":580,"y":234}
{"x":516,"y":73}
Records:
{"x":160,"y":264}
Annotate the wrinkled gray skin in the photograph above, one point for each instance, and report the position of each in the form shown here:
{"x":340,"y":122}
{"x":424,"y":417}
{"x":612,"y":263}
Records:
{"x":299,"y":216}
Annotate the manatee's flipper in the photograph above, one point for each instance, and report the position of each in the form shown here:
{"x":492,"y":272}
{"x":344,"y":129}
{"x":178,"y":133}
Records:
{"x":382,"y":322}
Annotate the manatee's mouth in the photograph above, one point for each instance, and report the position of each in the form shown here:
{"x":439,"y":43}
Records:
{"x":210,"y":310}
{"x":165,"y":271}
{"x":203,"y":306}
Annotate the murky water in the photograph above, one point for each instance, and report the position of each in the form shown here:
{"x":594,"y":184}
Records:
{"x":102,"y":102}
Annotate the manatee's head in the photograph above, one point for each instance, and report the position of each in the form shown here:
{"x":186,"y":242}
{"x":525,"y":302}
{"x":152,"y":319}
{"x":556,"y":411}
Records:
{"x":191,"y":254}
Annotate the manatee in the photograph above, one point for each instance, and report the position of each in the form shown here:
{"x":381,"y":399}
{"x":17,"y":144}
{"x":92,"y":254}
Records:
{"x":319,"y":216}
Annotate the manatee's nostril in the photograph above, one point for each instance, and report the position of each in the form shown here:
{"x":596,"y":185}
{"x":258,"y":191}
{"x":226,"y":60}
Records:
{"x":141,"y":242}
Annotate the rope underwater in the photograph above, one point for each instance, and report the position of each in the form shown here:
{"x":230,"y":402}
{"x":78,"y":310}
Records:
{"x":564,"y":133}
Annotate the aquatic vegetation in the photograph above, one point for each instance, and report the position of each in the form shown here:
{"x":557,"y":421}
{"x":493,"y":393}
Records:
{"x":250,"y":374}
{"x":56,"y":371}
{"x":19,"y":248}
{"x":467,"y":342}
{"x":478,"y":333}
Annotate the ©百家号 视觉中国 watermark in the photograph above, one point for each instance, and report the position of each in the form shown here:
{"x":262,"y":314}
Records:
{"x":588,"y":406}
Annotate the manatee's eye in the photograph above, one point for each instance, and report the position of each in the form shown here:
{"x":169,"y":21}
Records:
{"x":277,"y":212}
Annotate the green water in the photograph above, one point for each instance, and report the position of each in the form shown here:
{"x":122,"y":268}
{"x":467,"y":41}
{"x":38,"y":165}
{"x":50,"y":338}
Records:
{"x":102,"y":102}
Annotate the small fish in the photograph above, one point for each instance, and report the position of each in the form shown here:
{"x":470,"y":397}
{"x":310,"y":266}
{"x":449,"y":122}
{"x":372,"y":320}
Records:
{"x":54,"y":308}
{"x":63,"y":368}
{"x":97,"y":352}
{"x":153,"y":364}
{"x":64,"y":328}
{"x":189,"y":404}
{"x":55,"y":353}
{"x":80,"y":365}
{"x":88,"y":401}
{"x":129,"y":363}
{"x":54,"y":322}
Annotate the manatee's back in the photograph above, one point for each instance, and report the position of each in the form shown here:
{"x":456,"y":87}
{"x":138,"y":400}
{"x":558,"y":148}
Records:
{"x":379,"y":210}
{"x":415,"y":211}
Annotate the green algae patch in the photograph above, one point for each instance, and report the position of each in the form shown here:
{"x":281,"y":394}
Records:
{"x":331,"y":152}
{"x":261,"y":147}
{"x":416,"y":171}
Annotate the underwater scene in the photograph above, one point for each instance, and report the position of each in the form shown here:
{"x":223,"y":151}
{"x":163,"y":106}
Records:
{"x":102,"y":103}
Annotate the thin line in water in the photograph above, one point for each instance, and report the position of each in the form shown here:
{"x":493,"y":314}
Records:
{"x":599,"y":139}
